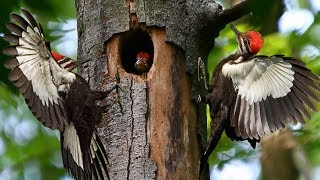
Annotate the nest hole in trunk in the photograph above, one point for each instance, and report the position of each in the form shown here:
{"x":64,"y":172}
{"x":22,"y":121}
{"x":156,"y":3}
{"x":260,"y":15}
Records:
{"x":131,"y":43}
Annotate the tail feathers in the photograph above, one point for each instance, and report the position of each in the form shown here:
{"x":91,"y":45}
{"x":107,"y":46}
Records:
{"x":72,"y":167}
{"x":72,"y":154}
{"x":99,"y":159}
{"x":83,"y":160}
{"x":212,"y":144}
{"x":205,"y":156}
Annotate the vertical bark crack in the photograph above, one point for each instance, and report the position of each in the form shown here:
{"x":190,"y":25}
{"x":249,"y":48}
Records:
{"x":131,"y":130}
{"x":146,"y":146}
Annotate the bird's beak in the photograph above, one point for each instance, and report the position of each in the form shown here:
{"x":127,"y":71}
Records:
{"x":80,"y":62}
{"x":240,"y":38}
{"x":77,"y":63}
{"x":235,"y":30}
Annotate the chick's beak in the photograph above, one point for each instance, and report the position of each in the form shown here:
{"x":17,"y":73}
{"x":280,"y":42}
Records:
{"x":142,"y":65}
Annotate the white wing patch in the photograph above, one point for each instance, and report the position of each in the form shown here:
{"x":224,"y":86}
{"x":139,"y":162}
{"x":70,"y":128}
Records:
{"x":72,"y":142}
{"x":44,"y":73}
{"x":256,"y":79}
{"x":35,"y":72}
{"x":271,"y":92}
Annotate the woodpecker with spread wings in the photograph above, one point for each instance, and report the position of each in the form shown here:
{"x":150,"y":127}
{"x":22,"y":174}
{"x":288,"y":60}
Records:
{"x":57,"y":97}
{"x":251,"y":95}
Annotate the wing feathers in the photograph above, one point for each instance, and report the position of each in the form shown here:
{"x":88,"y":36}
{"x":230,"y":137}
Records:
{"x":276,"y":91}
{"x":277,"y":114}
{"x":307,"y":82}
{"x":15,"y":74}
{"x":235,"y":113}
{"x":244,"y":128}
{"x":35,"y":72}
{"x":295,"y":61}
{"x":23,"y":23}
{"x":14,"y":28}
{"x":306,"y":90}
{"x":32,"y":21}
{"x":11,"y":38}
{"x":60,"y":113}
{"x":99,"y":157}
{"x":259,"y":126}
{"x":27,"y":93}
{"x":286,"y":113}
{"x":263,"y":114}
{"x":294,"y":113}
{"x":10,"y":51}
{"x":269,"y":117}
{"x":36,"y":107}
{"x":240,"y":123}
{"x":306,"y":73}
{"x":303,"y":97}
{"x":253,"y":122}
{"x":20,"y":81}
{"x":11,"y":63}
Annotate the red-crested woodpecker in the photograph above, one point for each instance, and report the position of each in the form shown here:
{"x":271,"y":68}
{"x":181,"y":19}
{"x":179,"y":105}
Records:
{"x":143,"y":61}
{"x":251,"y":96}
{"x":57,"y":97}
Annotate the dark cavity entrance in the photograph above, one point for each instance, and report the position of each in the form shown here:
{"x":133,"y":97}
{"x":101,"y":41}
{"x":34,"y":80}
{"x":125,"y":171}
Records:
{"x":131,"y":43}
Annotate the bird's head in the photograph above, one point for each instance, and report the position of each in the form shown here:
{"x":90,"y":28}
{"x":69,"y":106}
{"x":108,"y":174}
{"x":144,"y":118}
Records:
{"x":63,"y":61}
{"x":143,"y":60}
{"x":250,"y":42}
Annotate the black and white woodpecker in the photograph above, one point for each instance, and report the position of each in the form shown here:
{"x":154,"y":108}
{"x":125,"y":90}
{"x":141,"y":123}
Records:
{"x":57,"y":97}
{"x":251,"y":96}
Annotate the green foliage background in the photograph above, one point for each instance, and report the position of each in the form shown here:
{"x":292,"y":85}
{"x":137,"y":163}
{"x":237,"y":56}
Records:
{"x":30,"y":151}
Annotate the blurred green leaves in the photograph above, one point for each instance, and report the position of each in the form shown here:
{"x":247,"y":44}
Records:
{"x":52,"y":10}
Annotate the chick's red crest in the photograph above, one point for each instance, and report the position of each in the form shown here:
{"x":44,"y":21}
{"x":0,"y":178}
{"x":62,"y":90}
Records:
{"x":143,"y":55}
{"x":255,"y":41}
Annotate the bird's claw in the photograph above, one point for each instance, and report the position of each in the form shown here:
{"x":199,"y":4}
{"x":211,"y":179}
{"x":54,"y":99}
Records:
{"x":199,"y":99}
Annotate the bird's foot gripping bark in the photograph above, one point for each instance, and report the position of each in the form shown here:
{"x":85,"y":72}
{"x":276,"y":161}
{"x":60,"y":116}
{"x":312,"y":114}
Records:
{"x":201,"y":76}
{"x":199,"y":99}
{"x":100,"y":95}
{"x":103,"y":94}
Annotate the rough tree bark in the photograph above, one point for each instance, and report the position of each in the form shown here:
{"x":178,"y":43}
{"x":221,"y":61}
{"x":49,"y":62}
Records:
{"x":160,"y":132}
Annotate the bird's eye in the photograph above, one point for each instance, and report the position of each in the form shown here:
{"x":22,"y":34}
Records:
{"x":245,"y":41}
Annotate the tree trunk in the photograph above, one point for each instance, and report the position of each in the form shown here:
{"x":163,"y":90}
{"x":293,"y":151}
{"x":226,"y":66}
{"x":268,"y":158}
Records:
{"x":160,"y":132}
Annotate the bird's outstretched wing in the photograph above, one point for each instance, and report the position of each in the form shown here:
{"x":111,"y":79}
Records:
{"x":35,"y":72}
{"x":271,"y":92}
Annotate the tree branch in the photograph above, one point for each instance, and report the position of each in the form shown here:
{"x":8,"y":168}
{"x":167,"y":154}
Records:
{"x":235,"y":12}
